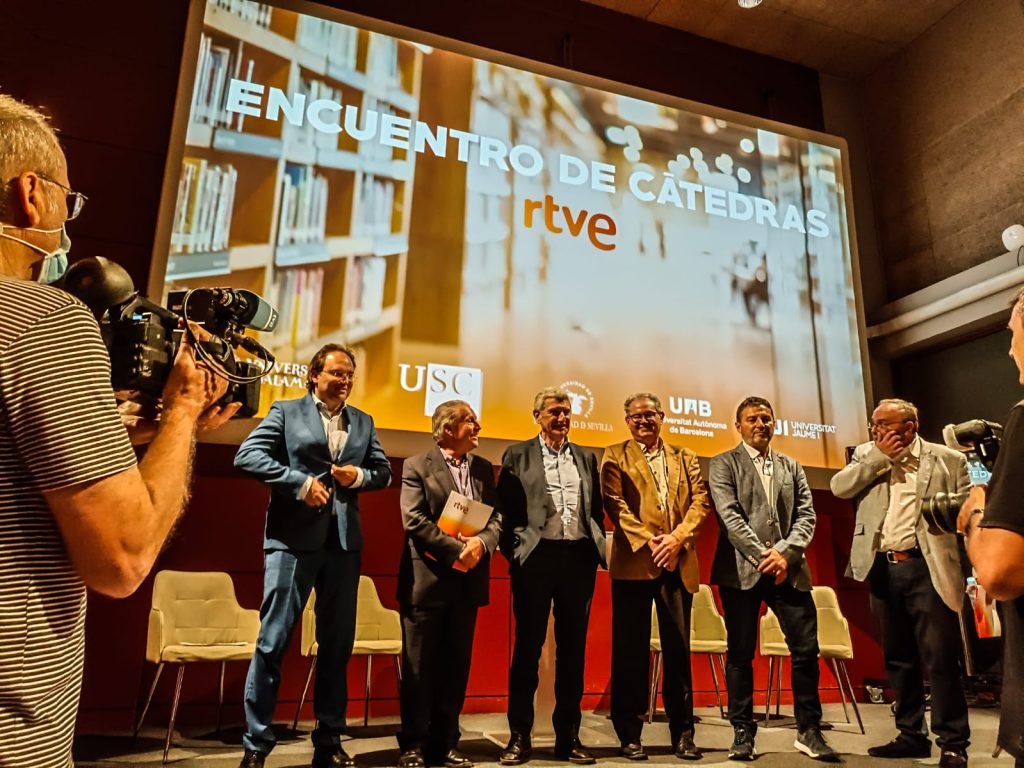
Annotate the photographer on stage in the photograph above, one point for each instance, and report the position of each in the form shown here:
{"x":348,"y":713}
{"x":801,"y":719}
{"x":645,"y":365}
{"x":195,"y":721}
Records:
{"x":75,"y":509}
{"x":992,"y":520}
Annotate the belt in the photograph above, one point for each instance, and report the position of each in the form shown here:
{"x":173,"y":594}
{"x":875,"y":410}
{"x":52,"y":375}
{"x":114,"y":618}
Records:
{"x":566,"y":542}
{"x":895,"y":556}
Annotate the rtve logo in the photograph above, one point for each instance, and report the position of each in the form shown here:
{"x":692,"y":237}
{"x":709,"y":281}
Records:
{"x":442,"y":382}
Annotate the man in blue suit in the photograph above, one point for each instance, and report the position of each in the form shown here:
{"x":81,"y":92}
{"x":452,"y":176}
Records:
{"x":316,"y":453}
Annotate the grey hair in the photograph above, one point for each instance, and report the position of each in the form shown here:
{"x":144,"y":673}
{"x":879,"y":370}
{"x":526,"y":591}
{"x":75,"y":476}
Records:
{"x":445,"y":415}
{"x":905,"y":407}
{"x":643,"y":396}
{"x":28,"y":141}
{"x":549,"y":393}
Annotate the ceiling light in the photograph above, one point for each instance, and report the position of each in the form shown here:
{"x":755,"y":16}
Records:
{"x":748,"y":3}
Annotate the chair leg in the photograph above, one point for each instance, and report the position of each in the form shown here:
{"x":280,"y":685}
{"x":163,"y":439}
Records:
{"x":714,"y":679}
{"x":725,"y":678}
{"x":842,"y":691}
{"x":149,"y":698}
{"x":652,"y":693}
{"x":174,"y":710}
{"x":778,"y":685}
{"x":305,"y":690}
{"x":220,"y":695}
{"x":853,"y":699}
{"x":398,"y":668}
{"x":366,"y":694}
{"x":768,"y":690}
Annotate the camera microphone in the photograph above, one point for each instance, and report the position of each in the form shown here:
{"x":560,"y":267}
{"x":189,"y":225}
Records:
{"x":255,"y":312}
{"x":963,"y":436}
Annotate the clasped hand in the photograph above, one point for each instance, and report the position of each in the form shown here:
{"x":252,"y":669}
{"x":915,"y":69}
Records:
{"x":345,"y":475}
{"x":472,"y":551}
{"x":665,"y":550}
{"x":317,"y":495}
{"x":774,"y":564}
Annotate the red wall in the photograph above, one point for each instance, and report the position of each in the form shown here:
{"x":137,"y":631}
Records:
{"x":223,"y":531}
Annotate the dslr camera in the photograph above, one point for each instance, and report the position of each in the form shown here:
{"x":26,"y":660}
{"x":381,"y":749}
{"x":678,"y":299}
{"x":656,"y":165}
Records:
{"x":142,"y":337}
{"x":979,"y":441}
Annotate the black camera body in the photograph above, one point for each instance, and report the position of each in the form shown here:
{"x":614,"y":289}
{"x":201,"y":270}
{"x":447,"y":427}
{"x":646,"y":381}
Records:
{"x":979,"y":441}
{"x":142,"y":338}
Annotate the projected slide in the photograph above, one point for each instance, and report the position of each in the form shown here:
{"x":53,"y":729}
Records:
{"x":478,"y":231}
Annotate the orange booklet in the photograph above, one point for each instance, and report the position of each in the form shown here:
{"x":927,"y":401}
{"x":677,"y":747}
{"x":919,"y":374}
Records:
{"x":465,"y":516}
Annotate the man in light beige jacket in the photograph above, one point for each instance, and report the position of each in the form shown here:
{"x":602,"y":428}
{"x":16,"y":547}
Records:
{"x":657,"y":501}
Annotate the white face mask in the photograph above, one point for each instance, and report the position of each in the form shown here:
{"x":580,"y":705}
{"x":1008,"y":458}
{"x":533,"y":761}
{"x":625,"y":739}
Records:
{"x":55,"y":263}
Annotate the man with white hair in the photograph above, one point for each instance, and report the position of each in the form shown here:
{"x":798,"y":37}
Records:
{"x":915,"y":578}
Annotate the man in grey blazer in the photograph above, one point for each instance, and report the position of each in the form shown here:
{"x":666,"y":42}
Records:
{"x":766,"y":518}
{"x":915,"y":577}
{"x":553,"y":537}
{"x":442,"y":581}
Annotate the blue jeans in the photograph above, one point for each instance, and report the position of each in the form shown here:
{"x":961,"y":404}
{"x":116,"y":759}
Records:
{"x":288,"y":579}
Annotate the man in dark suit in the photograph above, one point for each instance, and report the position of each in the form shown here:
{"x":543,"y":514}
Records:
{"x":316,"y":454}
{"x":442,"y":581}
{"x":553,"y":537}
{"x":915,"y":576}
{"x":657,"y":501}
{"x":766,"y":517}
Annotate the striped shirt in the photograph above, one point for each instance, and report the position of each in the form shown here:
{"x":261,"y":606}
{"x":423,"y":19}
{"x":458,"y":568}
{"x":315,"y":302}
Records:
{"x":58,"y":427}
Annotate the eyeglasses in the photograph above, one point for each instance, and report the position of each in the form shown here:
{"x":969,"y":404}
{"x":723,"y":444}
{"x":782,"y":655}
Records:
{"x":343,"y":376}
{"x":75,"y":200}
{"x":649,"y":416}
{"x":765,"y":464}
{"x":873,"y":425}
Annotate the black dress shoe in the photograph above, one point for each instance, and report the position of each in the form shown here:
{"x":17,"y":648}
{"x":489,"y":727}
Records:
{"x":411,"y":758}
{"x":252,"y":759}
{"x":452,"y":759}
{"x":633,"y":751}
{"x":518,"y":750}
{"x":685,"y":749}
{"x":574,"y":752}
{"x":332,"y":757}
{"x":901,"y":747}
{"x":953,"y":758}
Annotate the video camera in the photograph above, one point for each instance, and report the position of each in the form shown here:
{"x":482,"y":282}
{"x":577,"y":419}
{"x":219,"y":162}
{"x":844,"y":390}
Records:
{"x":142,"y":338}
{"x":979,"y":440}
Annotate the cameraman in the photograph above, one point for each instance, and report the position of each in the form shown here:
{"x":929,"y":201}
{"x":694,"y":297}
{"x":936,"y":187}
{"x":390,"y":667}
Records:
{"x":75,"y":510}
{"x":992,"y":521}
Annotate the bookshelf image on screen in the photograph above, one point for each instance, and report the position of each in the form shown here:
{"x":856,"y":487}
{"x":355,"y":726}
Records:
{"x":478,"y":231}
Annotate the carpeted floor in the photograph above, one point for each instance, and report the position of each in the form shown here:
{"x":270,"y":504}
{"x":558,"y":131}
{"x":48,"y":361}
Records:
{"x":483,"y":736}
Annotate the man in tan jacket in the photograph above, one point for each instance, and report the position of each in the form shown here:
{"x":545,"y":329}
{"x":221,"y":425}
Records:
{"x":657,"y":501}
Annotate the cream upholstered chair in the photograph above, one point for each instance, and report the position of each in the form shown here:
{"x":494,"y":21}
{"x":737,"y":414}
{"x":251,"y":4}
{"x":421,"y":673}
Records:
{"x":195,"y":617}
{"x":772,"y":644}
{"x":707,"y":635}
{"x":378,"y":631}
{"x":834,"y":645}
